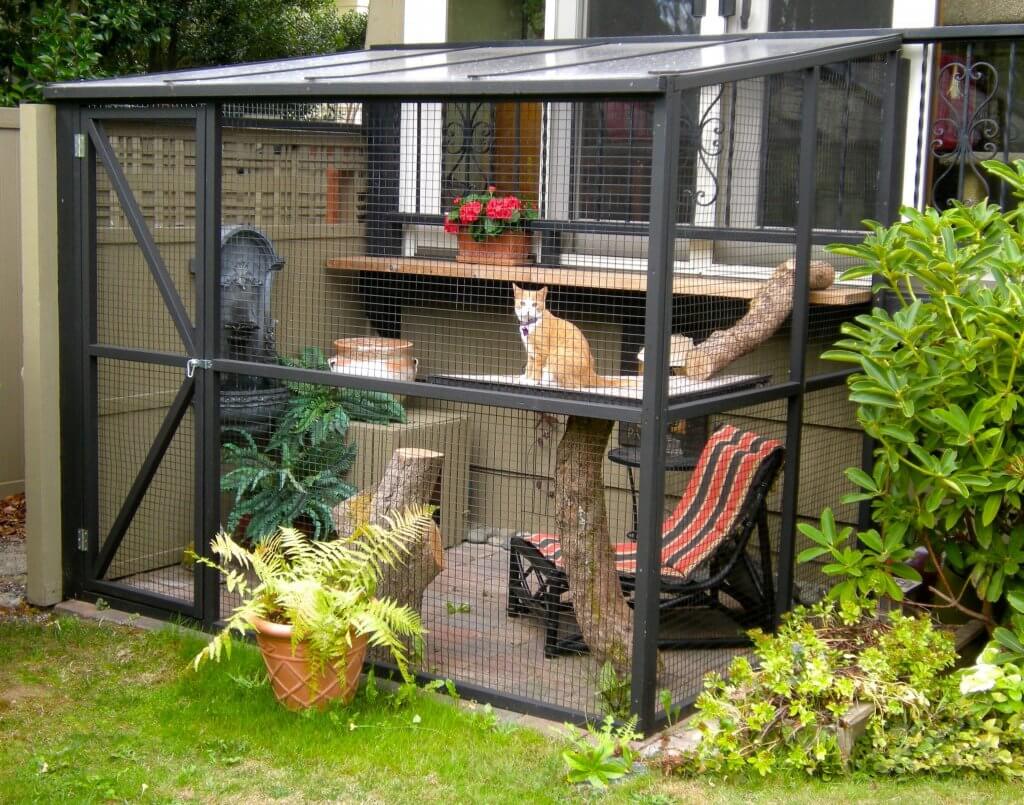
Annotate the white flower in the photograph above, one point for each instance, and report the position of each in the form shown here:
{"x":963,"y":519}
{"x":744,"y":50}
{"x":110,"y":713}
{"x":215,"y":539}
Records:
{"x":981,"y":677}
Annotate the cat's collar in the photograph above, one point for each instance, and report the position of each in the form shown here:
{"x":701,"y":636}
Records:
{"x":526,"y":325}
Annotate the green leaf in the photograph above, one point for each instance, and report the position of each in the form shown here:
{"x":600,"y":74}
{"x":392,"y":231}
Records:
{"x":1008,"y":640}
{"x":862,"y":479}
{"x":871,"y":539}
{"x":810,"y":554}
{"x":991,"y":509}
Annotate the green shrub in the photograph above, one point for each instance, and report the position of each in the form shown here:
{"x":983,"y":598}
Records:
{"x":939,"y":386}
{"x":782,"y":716}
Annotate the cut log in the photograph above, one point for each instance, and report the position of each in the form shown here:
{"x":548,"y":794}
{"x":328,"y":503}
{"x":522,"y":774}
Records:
{"x":409,"y":479}
{"x":604,"y":617}
{"x":766,"y":314}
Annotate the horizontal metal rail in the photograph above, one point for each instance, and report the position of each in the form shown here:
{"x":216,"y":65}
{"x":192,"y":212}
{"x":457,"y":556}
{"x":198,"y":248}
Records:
{"x":539,"y":400}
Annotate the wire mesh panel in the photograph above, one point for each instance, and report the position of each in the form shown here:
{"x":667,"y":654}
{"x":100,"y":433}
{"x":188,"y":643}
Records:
{"x":476,"y":294}
{"x":831,"y":442}
{"x":148,"y":530}
{"x":149,"y":167}
{"x":142,"y":309}
{"x":494,"y":494}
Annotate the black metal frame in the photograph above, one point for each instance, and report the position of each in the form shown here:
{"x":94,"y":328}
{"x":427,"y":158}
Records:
{"x":654,"y":413}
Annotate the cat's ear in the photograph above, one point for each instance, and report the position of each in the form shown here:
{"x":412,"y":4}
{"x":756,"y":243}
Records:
{"x":542,"y":294}
{"x":516,"y":291}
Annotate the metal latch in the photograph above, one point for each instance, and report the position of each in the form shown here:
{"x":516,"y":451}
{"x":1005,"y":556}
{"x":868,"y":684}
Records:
{"x":83,"y":540}
{"x":81,"y":146}
{"x":197,"y":363}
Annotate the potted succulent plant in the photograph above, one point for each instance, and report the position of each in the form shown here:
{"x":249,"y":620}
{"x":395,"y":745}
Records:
{"x":313,"y":606}
{"x":491,"y":228}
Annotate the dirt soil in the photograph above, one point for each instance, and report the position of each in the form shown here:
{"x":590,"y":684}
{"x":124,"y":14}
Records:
{"x":12,"y":555}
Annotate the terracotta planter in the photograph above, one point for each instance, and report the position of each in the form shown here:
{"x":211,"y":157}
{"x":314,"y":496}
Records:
{"x":390,"y":358}
{"x":290,"y":674}
{"x":508,"y":249}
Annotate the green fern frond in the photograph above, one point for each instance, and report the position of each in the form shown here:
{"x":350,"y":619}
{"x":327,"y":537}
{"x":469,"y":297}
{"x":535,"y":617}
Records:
{"x":325,"y":590}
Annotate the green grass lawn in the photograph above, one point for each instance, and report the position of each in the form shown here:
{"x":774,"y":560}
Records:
{"x":100,"y":713}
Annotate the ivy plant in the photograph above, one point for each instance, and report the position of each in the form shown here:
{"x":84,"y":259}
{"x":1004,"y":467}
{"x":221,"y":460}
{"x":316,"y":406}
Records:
{"x":939,"y":387}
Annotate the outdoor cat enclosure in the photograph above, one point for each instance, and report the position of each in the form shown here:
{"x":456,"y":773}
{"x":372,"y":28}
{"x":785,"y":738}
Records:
{"x":647,"y":374}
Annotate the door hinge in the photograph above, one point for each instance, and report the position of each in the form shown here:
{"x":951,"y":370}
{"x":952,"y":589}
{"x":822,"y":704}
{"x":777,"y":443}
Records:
{"x":197,"y":363}
{"x":83,"y":540}
{"x":81,"y":146}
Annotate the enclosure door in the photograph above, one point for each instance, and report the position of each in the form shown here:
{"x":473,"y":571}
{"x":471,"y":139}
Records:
{"x":144,"y":262}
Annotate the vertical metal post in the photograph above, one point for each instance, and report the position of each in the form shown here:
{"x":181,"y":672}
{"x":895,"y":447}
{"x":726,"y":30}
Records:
{"x":891,"y":144}
{"x":890,"y":164}
{"x":798,"y":334}
{"x":663,"y":207}
{"x":87,"y":311}
{"x":70,"y":292}
{"x":206,"y":413}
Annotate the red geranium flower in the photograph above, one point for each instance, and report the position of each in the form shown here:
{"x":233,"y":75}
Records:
{"x":470,"y":211}
{"x":496,"y":210}
{"x":491,"y":188}
{"x":450,"y":226}
{"x":501,"y":209}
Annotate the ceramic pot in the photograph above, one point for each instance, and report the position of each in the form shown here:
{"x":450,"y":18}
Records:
{"x":294,"y":683}
{"x":508,"y":249}
{"x":374,"y":357}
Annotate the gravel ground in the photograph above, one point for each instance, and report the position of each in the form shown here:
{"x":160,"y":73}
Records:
{"x":12,"y":555}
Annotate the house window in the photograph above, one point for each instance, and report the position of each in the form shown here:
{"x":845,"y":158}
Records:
{"x":847,"y":158}
{"x":641,"y":17}
{"x":613,"y":138}
{"x":828,"y":15}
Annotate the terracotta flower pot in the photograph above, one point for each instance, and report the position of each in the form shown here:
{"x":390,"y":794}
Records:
{"x":508,"y":249}
{"x":374,"y":357}
{"x":291,"y":675}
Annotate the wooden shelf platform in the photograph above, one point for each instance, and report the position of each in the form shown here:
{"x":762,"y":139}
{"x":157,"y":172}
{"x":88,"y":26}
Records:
{"x":601,"y":278}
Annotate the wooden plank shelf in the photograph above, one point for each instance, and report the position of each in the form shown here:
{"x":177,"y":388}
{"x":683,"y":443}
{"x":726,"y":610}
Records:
{"x":578,"y":277}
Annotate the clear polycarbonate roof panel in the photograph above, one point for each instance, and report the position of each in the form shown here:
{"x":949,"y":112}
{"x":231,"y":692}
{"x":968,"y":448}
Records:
{"x":646,"y":66}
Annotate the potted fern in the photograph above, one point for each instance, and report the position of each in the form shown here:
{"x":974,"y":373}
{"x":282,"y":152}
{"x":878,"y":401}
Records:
{"x":313,"y":606}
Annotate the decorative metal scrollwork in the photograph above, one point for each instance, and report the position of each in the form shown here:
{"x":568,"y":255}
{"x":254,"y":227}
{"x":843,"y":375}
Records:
{"x":707,"y":138}
{"x":468,"y":145}
{"x":964,"y":134}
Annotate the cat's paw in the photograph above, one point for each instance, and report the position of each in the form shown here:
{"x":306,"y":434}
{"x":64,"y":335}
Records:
{"x":527,"y":380}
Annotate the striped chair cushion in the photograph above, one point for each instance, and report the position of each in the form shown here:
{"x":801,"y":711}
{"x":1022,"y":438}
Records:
{"x":707,"y":512}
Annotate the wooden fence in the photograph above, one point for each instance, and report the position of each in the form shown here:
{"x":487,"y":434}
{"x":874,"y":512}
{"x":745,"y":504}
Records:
{"x":12,"y":443}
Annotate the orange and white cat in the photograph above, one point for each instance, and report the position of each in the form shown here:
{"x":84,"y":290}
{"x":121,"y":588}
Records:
{"x":557,"y":353}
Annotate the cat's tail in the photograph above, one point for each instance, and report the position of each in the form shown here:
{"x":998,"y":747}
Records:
{"x":601,"y":381}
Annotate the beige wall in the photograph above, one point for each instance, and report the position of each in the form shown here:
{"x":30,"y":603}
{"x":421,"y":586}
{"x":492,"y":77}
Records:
{"x":38,"y":200}
{"x":12,"y":458}
{"x":977,"y":12}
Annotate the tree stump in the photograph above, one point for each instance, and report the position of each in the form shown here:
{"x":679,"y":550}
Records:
{"x":765,"y":315}
{"x":409,"y":479}
{"x":604,"y":617}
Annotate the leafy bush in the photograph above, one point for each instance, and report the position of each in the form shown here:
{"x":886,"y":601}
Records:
{"x":54,"y":40}
{"x":782,"y":717}
{"x":939,"y":386}
{"x":326,"y":591}
{"x":297,"y":476}
{"x":287,"y":483}
{"x":868,"y":568}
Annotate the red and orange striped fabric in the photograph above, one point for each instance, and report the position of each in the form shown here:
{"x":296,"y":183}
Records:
{"x":707,"y":511}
